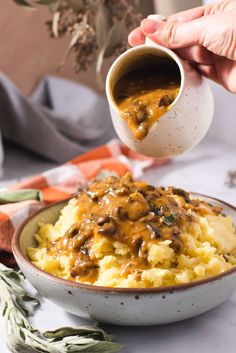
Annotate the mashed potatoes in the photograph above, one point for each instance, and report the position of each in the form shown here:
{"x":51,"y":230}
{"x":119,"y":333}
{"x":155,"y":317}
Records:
{"x":125,"y":233}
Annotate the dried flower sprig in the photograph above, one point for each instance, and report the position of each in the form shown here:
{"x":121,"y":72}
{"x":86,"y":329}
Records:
{"x":23,"y":337}
{"x":98,"y":28}
{"x":230,"y":180}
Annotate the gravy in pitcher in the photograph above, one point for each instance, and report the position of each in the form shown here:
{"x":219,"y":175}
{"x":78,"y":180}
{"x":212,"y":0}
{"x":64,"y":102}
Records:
{"x":145,"y":93}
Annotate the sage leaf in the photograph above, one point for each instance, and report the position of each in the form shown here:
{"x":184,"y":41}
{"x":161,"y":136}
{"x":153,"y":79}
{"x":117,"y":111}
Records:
{"x":55,"y":22}
{"x":23,"y":337}
{"x":8,"y":196}
{"x":46,"y":2}
{"x":116,"y":35}
{"x":22,"y":3}
{"x":13,"y":275}
{"x":114,"y":38}
{"x":76,"y":5}
{"x":54,"y":7}
{"x":99,"y":63}
{"x":82,"y":331}
{"x":29,"y":298}
{"x":169,"y":220}
{"x":103,"y":24}
{"x":73,"y":41}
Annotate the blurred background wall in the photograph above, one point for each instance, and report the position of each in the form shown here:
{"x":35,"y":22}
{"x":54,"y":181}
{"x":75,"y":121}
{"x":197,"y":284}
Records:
{"x":27,"y":53}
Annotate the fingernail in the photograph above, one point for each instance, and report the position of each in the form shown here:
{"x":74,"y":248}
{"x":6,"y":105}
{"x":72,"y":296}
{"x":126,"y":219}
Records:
{"x":149,"y":26}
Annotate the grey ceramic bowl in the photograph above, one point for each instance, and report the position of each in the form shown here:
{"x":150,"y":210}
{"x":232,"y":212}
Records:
{"x":122,"y":306}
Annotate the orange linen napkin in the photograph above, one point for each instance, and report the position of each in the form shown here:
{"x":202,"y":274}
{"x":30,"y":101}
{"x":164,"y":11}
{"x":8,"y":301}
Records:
{"x":63,"y":181}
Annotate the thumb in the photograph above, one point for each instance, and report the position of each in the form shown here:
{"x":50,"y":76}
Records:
{"x":174,"y":34}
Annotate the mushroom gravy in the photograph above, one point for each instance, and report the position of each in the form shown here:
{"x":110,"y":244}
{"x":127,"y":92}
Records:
{"x":144,"y":94}
{"x":128,"y":212}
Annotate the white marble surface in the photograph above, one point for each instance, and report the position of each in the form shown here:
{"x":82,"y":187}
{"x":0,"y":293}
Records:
{"x":202,"y":170}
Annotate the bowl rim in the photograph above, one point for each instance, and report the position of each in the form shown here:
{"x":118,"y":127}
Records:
{"x":18,"y":254}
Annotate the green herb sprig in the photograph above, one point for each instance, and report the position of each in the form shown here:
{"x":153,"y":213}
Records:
{"x":23,"y":337}
{"x":8,"y":196}
{"x":170,"y":219}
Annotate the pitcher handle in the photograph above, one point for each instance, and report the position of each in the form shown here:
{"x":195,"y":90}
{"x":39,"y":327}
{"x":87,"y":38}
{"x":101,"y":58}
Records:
{"x":156,"y":17}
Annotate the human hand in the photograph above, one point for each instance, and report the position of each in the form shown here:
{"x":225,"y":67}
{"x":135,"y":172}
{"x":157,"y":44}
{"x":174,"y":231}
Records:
{"x":205,"y":36}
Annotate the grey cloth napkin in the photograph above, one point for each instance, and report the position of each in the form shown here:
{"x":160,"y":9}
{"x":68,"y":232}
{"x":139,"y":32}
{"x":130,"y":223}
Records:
{"x":61,"y":119}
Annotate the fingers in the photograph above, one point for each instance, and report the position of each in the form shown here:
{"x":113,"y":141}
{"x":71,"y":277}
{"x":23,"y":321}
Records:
{"x":209,"y":71}
{"x":214,"y":32}
{"x":136,"y":37}
{"x":172,"y":34}
{"x":196,"y":54}
{"x":181,"y":29}
{"x":197,"y":12}
{"x":225,"y":73}
{"x":220,"y":7}
{"x":188,"y":15}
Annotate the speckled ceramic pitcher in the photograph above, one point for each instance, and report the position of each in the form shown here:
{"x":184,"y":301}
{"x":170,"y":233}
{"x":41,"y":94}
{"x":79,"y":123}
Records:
{"x":187,"y":119}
